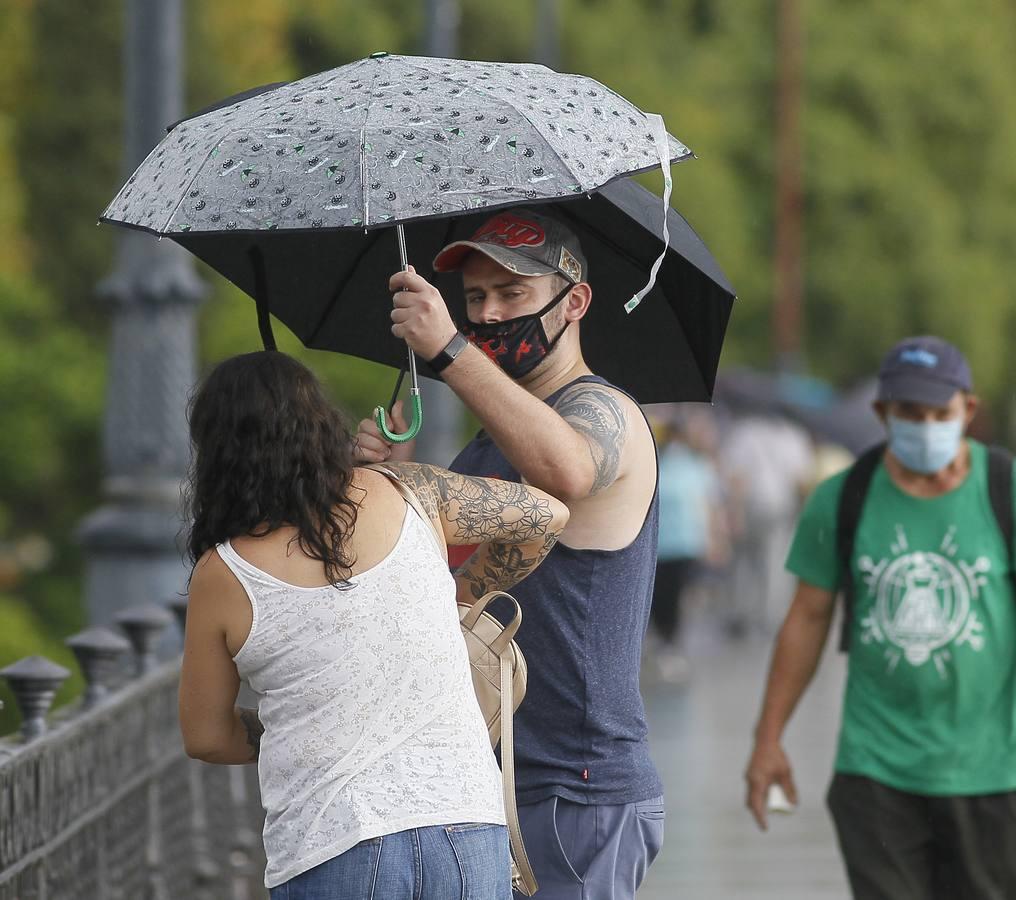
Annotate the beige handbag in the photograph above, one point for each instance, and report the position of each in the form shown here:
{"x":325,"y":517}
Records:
{"x":499,"y":679}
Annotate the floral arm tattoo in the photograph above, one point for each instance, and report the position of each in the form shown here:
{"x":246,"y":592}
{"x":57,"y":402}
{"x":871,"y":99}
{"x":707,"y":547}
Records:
{"x":596,"y":414}
{"x":252,"y":724}
{"x":497,"y":566}
{"x":480,"y":509}
{"x":508,"y":521}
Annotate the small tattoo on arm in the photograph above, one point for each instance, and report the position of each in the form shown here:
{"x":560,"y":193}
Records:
{"x":595,"y":413}
{"x":254,"y":728}
{"x":498,"y":567}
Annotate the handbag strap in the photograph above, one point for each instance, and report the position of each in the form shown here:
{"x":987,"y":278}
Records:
{"x":410,"y":497}
{"x":523,"y":879}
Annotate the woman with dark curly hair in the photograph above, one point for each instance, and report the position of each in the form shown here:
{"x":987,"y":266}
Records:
{"x":316,"y":582}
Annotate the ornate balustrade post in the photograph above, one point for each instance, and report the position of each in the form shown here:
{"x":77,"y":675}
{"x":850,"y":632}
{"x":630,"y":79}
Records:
{"x":98,"y":650}
{"x":143,"y":625}
{"x":131,"y":541}
{"x":34,"y":682}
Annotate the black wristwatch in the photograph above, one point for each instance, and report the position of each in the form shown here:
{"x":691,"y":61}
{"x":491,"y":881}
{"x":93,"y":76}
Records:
{"x":447,"y":356}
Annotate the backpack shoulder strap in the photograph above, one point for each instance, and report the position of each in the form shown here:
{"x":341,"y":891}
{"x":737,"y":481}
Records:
{"x":848,"y":517}
{"x":414,"y":502}
{"x":1000,"y":494}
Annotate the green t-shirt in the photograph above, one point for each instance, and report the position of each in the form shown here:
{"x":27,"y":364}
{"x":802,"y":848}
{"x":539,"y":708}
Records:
{"x":930,"y":703}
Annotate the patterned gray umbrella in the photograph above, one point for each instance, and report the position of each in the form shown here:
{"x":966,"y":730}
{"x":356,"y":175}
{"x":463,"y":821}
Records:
{"x":387,"y":140}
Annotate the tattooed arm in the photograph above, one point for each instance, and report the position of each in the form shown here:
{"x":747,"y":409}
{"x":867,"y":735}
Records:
{"x":595,"y":412}
{"x":571,"y":451}
{"x":514,"y":525}
{"x":497,"y":566}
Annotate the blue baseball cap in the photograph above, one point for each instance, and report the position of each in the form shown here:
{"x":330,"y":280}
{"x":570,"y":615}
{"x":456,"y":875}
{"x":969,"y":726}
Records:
{"x":924,"y":370}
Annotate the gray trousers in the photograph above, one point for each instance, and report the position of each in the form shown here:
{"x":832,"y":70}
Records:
{"x":588,"y":852}
{"x":903,"y":846}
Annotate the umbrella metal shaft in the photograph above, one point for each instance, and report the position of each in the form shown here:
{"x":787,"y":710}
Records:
{"x":400,"y":232}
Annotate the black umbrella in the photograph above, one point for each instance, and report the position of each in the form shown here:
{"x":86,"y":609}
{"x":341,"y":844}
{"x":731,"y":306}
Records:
{"x":330,"y":288}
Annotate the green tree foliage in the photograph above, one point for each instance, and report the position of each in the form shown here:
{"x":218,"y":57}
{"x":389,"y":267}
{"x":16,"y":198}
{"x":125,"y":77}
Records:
{"x":707,"y":67}
{"x":14,"y":50}
{"x":911,"y":205}
{"x":68,"y":113}
{"x":52,"y":385}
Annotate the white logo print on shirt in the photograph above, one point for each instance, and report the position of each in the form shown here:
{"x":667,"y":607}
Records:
{"x":923,"y":602}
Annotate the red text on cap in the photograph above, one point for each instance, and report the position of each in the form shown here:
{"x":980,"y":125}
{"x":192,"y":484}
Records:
{"x":511,"y":231}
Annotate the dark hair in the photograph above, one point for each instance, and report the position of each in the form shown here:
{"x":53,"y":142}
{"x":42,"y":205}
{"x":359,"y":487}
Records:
{"x":270,"y":450}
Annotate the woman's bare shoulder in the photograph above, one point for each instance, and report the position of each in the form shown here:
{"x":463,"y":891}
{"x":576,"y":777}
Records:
{"x":210,"y":575}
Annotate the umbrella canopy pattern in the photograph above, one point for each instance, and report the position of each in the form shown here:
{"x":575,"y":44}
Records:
{"x":389,"y":139}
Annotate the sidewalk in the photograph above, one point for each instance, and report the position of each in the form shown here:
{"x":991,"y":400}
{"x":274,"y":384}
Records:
{"x":700,"y":734}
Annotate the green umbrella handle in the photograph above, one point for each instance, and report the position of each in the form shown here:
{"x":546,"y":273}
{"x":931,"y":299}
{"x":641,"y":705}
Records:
{"x":414,"y":426}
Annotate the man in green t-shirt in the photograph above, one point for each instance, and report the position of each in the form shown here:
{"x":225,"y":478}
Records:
{"x":924,"y":794}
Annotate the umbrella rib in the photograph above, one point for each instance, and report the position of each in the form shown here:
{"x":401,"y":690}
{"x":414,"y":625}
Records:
{"x":312,"y":337}
{"x":197,"y":171}
{"x":364,"y":199}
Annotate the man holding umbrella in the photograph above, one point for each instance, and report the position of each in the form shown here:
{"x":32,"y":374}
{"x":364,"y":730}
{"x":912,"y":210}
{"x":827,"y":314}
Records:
{"x":590,"y":798}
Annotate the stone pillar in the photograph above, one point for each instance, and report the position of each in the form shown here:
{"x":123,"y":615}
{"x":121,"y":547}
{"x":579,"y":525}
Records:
{"x":442,"y":36}
{"x":131,"y":542}
{"x":547,"y":42}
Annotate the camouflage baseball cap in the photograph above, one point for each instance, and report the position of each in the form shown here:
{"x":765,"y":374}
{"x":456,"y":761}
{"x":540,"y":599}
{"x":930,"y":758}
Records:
{"x":525,"y":243}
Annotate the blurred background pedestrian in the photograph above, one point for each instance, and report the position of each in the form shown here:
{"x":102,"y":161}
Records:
{"x":693,"y":529}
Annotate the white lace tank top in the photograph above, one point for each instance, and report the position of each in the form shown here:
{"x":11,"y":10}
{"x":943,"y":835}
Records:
{"x":371,"y":723}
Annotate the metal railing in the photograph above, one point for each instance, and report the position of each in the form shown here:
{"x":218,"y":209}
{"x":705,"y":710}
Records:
{"x":102,"y":803}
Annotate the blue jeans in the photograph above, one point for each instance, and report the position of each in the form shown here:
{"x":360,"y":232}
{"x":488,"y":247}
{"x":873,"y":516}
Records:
{"x":441,"y":862}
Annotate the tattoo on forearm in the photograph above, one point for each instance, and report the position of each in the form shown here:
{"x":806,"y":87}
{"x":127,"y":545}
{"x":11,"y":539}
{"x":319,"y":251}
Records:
{"x":497,"y":566}
{"x":255,"y":729}
{"x":595,"y":413}
{"x":481,"y":509}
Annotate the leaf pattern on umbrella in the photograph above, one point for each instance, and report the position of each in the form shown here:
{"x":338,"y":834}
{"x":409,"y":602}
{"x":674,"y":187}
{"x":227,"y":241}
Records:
{"x":388,"y":139}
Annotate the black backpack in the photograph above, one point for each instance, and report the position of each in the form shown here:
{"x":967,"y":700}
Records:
{"x":851,"y":505}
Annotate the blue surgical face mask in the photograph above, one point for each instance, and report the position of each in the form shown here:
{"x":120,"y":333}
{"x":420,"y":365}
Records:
{"x":925,"y":447}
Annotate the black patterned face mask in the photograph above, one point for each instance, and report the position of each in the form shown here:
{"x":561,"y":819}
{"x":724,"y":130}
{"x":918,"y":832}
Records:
{"x":517,"y":345}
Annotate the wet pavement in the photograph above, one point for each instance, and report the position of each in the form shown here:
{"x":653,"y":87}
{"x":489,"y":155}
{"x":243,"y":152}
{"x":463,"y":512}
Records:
{"x":700,"y":733}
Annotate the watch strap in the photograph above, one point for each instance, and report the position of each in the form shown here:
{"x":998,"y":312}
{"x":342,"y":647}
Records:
{"x":448,"y":355}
